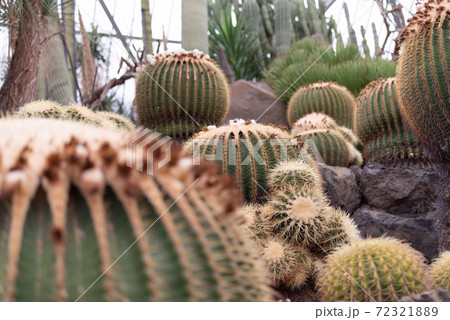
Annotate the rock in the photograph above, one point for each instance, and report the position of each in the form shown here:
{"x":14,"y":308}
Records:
{"x":438,"y":295}
{"x":341,"y":187}
{"x":417,"y":231}
{"x":256,"y":101}
{"x":401,"y":191}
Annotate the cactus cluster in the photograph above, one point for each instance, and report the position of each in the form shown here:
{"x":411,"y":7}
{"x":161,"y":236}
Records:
{"x":327,"y":97}
{"x":71,"y":206}
{"x":379,"y":124}
{"x":246,"y":150}
{"x":423,"y":76}
{"x":50,"y":109}
{"x":296,"y":225}
{"x":440,"y":272}
{"x":336,"y":145}
{"x":178,"y":93}
{"x":378,"y":269}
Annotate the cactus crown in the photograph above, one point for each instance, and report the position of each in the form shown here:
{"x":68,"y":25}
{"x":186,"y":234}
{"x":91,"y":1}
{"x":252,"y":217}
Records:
{"x":313,"y":121}
{"x":178,"y":93}
{"x":247,"y":150}
{"x":299,"y":174}
{"x":72,"y":205}
{"x":327,"y":97}
{"x":440,"y":271}
{"x":380,"y":269}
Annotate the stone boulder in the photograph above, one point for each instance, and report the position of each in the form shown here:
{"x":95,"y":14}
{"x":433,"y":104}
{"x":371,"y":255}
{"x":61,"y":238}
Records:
{"x":341,"y":186}
{"x":437,"y":295}
{"x":400,"y":191}
{"x":417,"y":231}
{"x":256,"y":100}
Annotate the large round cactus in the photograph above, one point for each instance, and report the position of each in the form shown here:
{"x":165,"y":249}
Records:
{"x":380,"y":127}
{"x":327,"y":97}
{"x":178,"y":93}
{"x":247,"y":150}
{"x":440,"y":271}
{"x":423,"y":71}
{"x":379,"y":269}
{"x":78,"y":223}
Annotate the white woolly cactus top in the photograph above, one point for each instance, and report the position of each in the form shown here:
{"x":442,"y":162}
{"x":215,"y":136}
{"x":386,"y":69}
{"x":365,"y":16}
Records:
{"x":179,"y":54}
{"x":314,"y":121}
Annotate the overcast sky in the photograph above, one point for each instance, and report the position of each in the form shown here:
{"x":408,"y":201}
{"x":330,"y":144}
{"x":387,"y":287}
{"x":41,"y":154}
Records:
{"x":167,"y":14}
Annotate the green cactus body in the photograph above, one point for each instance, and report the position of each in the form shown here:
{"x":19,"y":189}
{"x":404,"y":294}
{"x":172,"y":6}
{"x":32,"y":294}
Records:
{"x":327,"y":97}
{"x":340,"y":230}
{"x":283,"y":27}
{"x":334,"y":149}
{"x":298,"y":174}
{"x":179,"y":93}
{"x":247,"y":150}
{"x":295,"y":215}
{"x":423,"y":76}
{"x":351,"y":31}
{"x":380,"y":269}
{"x":440,"y":272}
{"x":194,"y":25}
{"x":364,"y":43}
{"x":71,"y":207}
{"x":383,"y":132}
{"x":252,"y":16}
{"x":286,"y":265}
{"x":375,"y":39}
{"x":119,"y":120}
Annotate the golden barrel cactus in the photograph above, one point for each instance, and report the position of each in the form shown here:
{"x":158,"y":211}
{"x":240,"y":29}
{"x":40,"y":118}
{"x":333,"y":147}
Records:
{"x":76,"y":223}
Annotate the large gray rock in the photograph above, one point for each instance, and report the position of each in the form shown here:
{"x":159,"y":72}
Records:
{"x":438,"y":295}
{"x":341,"y":187}
{"x":401,"y":191}
{"x":252,"y":100}
{"x":419,"y":231}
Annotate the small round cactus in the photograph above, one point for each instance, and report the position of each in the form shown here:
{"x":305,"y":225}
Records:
{"x":40,"y":109}
{"x":287,"y":265}
{"x":380,"y":126}
{"x":119,"y":120}
{"x":327,"y":97}
{"x":440,"y":272}
{"x":253,"y":221}
{"x":246,"y":150}
{"x":423,"y":76}
{"x":178,"y":93}
{"x":296,"y":216}
{"x":379,"y":269}
{"x":314,"y":121}
{"x":340,"y":230}
{"x":295,"y":174}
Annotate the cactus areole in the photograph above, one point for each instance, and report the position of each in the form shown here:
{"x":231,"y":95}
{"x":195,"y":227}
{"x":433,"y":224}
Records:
{"x":76,"y":223}
{"x":423,"y":79}
{"x":178,"y":93}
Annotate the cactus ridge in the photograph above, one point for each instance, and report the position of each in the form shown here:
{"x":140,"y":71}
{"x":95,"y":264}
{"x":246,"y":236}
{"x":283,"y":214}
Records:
{"x":178,"y":93}
{"x":380,"y":269}
{"x":327,"y":97}
{"x":440,"y":272}
{"x":381,"y":128}
{"x":423,"y":76}
{"x":71,"y":206}
{"x":298,"y":174}
{"x":248,"y":151}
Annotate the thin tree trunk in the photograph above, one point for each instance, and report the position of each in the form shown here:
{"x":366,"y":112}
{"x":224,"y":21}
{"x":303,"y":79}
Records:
{"x":194,"y":25}
{"x":146,"y":26}
{"x":68,"y":18}
{"x":21,"y":81}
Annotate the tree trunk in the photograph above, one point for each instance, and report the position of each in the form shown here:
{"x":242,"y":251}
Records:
{"x":21,"y":81}
{"x":194,"y":25}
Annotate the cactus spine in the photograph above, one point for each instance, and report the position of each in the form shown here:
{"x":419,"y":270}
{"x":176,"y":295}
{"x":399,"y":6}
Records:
{"x":71,"y":206}
{"x":380,"y":269}
{"x":327,"y":97}
{"x":379,"y":125}
{"x":247,"y":150}
{"x":423,"y":76}
{"x":440,"y":272}
{"x":179,"y":93}
{"x":283,"y":27}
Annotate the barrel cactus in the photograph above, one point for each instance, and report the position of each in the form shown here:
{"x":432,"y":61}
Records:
{"x":178,"y":93}
{"x":327,"y":97}
{"x":247,"y":150}
{"x":71,"y":207}
{"x":286,"y":265}
{"x":423,"y":76}
{"x":440,"y":271}
{"x":379,"y":269}
{"x":119,"y":120}
{"x":297,"y":174}
{"x":333,"y":147}
{"x":379,"y":124}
